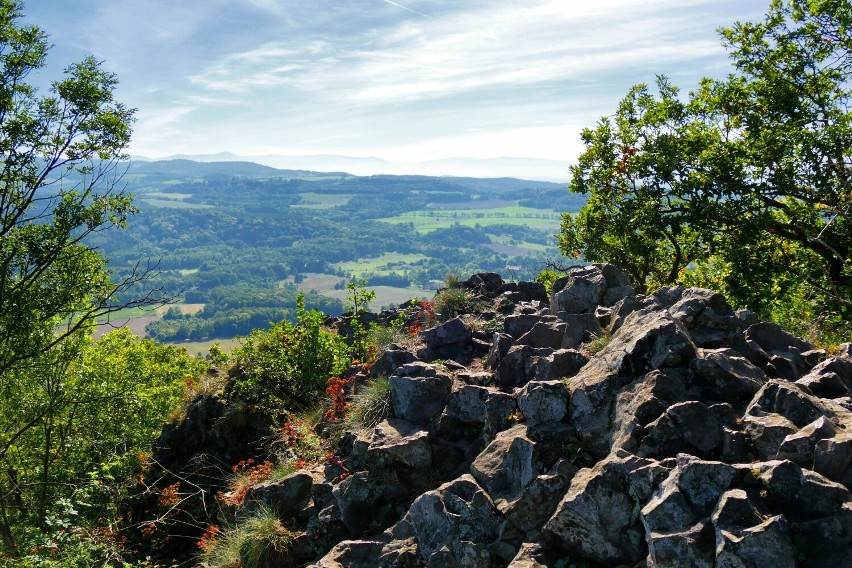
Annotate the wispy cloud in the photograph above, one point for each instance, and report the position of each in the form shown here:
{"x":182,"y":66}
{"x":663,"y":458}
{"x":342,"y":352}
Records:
{"x":476,"y":78}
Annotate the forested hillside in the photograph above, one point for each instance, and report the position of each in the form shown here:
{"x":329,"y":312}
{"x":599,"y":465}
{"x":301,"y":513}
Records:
{"x":239,"y":238}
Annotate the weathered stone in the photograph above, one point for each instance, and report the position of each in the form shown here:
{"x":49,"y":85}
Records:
{"x":596,"y":519}
{"x":518,"y":325}
{"x":539,"y":499}
{"x":392,"y":358}
{"x":582,"y":292}
{"x":286,"y":497}
{"x":771,"y":337}
{"x":544,"y":334}
{"x":692,"y":547}
{"x":579,"y":329}
{"x":799,"y":447}
{"x":500,"y":345}
{"x":735,"y":510}
{"x":358,"y":498}
{"x":766,"y":545}
{"x":506,"y":466}
{"x":518,"y":367}
{"x":648,"y":339}
{"x":543,"y":401}
{"x":529,"y":556}
{"x":833,"y":459}
{"x":627,"y":306}
{"x":484,"y":282}
{"x":401,"y":442}
{"x":418,"y":399}
{"x":831,"y":378}
{"x":560,"y":364}
{"x":350,"y":553}
{"x":727,"y":376}
{"x":468,"y":404}
{"x":457,"y":522}
{"x":706,"y":314}
{"x":826,"y":541}
{"x":451,"y":332}
{"x":690,"y":427}
{"x":767,"y":432}
{"x":499,"y":407}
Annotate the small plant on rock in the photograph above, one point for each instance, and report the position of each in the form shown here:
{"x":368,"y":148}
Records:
{"x":261,"y":540}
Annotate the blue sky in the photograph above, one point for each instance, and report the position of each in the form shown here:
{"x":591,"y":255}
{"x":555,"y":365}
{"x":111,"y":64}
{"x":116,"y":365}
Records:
{"x":406,"y":80}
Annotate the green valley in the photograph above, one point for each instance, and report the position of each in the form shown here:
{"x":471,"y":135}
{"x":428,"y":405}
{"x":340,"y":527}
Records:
{"x":242,"y":239}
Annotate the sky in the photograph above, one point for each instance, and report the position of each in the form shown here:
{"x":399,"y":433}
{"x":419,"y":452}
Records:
{"x":406,"y":80}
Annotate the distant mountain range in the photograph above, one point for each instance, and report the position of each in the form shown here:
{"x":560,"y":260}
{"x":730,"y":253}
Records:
{"x":523,"y":168}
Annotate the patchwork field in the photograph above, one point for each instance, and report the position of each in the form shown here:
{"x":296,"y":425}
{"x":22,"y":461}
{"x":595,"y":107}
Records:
{"x":432,"y":220}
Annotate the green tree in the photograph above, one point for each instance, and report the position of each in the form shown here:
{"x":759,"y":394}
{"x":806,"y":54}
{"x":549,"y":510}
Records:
{"x":747,"y":179}
{"x":60,"y":153}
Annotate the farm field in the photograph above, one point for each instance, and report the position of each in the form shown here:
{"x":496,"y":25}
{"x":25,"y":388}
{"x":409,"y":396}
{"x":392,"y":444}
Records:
{"x":435,"y":219}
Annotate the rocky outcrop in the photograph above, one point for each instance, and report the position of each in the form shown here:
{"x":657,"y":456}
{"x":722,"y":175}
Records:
{"x":692,"y":435}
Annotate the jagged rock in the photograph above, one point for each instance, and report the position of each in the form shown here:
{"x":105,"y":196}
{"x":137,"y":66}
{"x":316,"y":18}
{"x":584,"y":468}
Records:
{"x":445,"y":340}
{"x":543,"y":402}
{"x":579,"y":329}
{"x":519,"y":366}
{"x":766,"y":545}
{"x":539,"y":499}
{"x":518,"y":325}
{"x":350,"y":553}
{"x":692,"y":547}
{"x":833,"y":459}
{"x":286,"y":497}
{"x":691,"y":427}
{"x":419,"y":392}
{"x":544,"y":334}
{"x":649,"y":339}
{"x":368,"y":504}
{"x":596,"y":519}
{"x":532,"y":292}
{"x":500,"y":345}
{"x":468,"y":404}
{"x":767,"y":432}
{"x":727,"y":376}
{"x":627,"y":306}
{"x":399,"y":441}
{"x":559,"y":364}
{"x":506,"y":466}
{"x":484,"y":282}
{"x":392,"y":358}
{"x":782,"y":350}
{"x":831,"y":378}
{"x":709,"y":318}
{"x":499,"y":408}
{"x":454,"y":525}
{"x":585,"y":288}
{"x":529,"y":556}
{"x":799,"y":447}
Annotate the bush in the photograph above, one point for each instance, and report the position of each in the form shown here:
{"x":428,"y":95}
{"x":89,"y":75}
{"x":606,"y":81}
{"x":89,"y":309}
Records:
{"x":287,"y":365}
{"x":261,"y":540}
{"x":452,"y":302}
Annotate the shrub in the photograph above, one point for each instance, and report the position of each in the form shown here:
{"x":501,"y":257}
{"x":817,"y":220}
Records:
{"x":260,"y":540}
{"x":286,"y":366}
{"x":452,"y":302}
{"x":372,"y":404}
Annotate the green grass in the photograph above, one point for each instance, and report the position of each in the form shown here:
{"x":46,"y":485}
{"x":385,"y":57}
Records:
{"x":128,"y":313}
{"x":433,"y":220}
{"x":170,"y":196}
{"x":174,"y":204}
{"x":387,"y":263}
{"x":203,"y":347}
{"x":385,"y":295}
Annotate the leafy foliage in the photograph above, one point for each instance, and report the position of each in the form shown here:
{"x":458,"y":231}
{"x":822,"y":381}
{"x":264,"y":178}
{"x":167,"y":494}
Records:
{"x":287,"y":366}
{"x":747,"y":181}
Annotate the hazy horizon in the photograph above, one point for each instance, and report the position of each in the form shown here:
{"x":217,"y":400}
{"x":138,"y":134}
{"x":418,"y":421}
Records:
{"x":407,"y":82}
